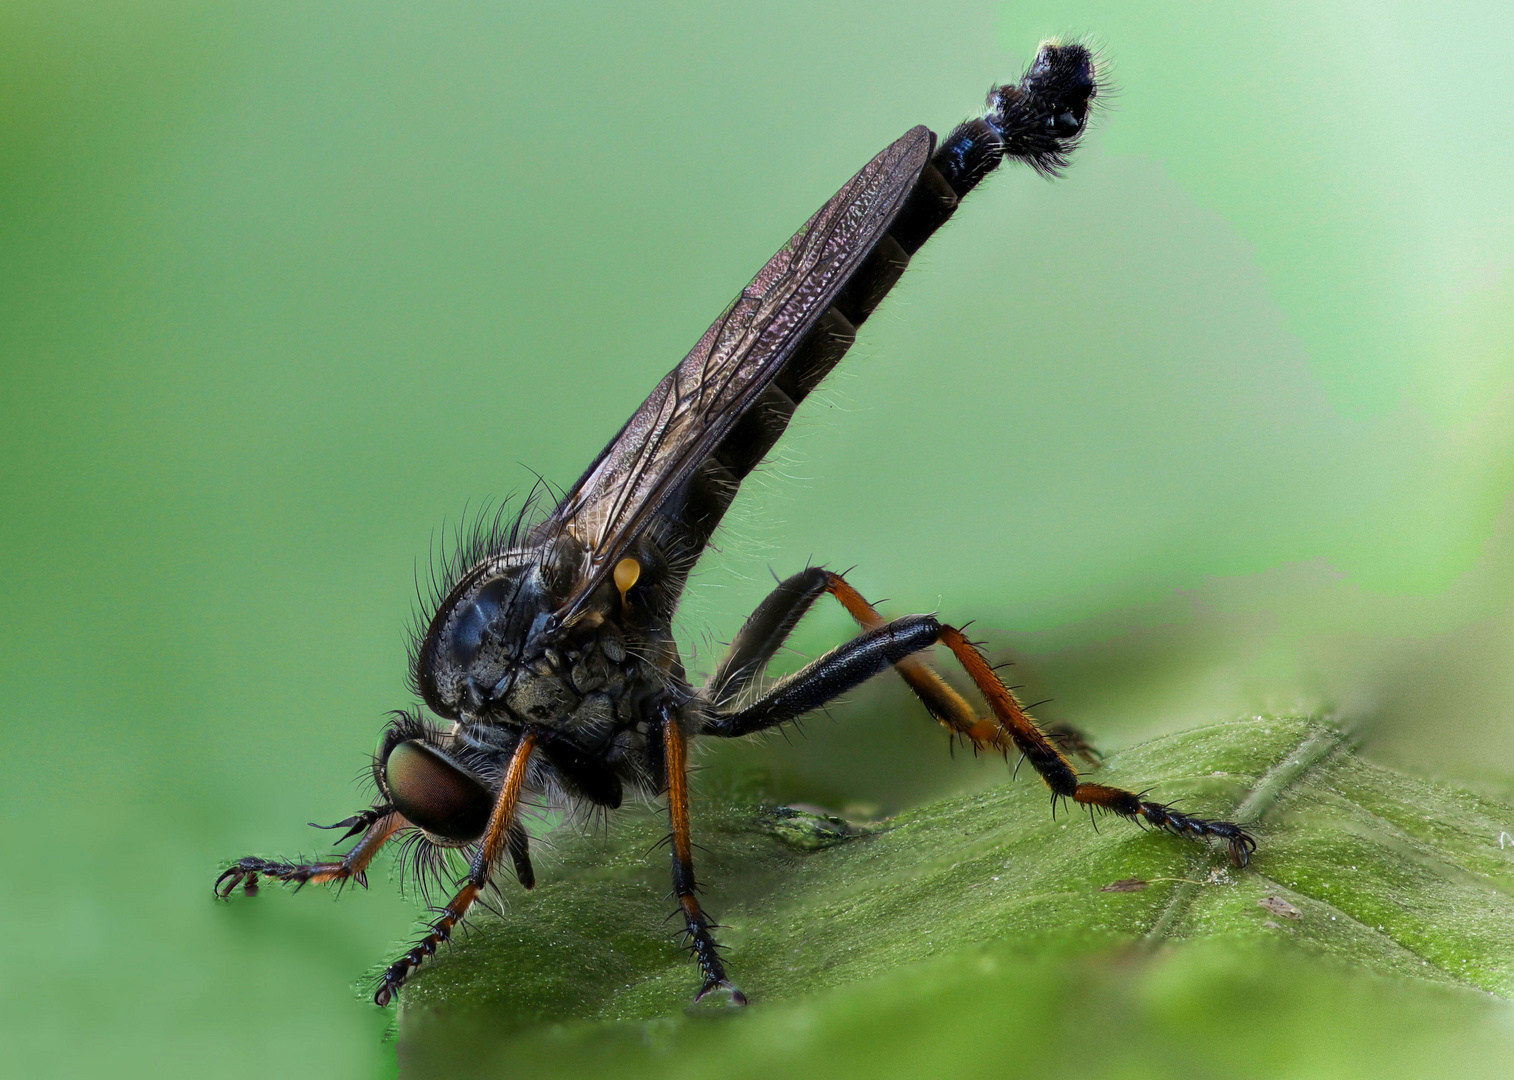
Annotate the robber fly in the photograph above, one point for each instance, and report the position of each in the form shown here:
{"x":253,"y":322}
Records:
{"x":550,"y":655}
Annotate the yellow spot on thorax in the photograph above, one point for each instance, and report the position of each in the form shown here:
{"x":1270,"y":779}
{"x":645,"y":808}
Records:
{"x":627,"y":573}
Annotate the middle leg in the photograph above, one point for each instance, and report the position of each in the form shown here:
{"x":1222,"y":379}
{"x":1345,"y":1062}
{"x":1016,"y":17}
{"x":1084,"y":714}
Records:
{"x":697,"y":924}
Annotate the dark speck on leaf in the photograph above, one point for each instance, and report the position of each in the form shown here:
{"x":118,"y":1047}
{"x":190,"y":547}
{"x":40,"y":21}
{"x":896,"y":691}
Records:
{"x":1278,"y":906}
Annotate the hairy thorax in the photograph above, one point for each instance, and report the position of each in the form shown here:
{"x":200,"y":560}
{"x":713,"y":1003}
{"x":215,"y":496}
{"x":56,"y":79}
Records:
{"x":593,"y":688}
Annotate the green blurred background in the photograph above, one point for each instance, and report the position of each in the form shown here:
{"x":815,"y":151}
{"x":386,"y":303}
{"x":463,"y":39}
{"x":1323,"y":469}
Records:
{"x":1221,"y":423}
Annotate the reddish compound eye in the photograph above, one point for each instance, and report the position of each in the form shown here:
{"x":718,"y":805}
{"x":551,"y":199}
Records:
{"x":435,"y":794}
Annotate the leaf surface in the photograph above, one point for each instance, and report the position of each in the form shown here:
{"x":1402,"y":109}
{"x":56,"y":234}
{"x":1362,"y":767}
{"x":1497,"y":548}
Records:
{"x":1358,"y":866}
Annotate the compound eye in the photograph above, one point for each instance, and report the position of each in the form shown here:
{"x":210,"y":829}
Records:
{"x":435,"y":794}
{"x":468,"y":631}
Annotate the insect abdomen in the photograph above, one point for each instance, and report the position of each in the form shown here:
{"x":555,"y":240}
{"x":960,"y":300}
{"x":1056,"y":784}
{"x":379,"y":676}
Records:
{"x":1038,"y":121}
{"x":972,"y":151}
{"x":709,"y":492}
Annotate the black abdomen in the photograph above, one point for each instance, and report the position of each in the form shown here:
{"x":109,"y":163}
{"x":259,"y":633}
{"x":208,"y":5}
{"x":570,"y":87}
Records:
{"x":971,"y":152}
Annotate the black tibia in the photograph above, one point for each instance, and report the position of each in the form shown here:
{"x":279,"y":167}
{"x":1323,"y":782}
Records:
{"x":697,"y":926}
{"x":774,"y":620}
{"x":893,"y":644}
{"x":947,"y":706}
{"x":501,"y":834}
{"x":377,"y":826}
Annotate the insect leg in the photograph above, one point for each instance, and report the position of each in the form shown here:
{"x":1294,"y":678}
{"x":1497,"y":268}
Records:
{"x":833,"y":674}
{"x":498,"y":837}
{"x":764,"y":632}
{"x":697,"y":924}
{"x":377,"y":826}
{"x":775,"y":618}
{"x":875,"y":649}
{"x":520,"y":854}
{"x":947,"y":706}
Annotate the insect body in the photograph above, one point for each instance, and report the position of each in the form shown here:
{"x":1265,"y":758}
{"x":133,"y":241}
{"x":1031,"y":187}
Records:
{"x":551,"y":654}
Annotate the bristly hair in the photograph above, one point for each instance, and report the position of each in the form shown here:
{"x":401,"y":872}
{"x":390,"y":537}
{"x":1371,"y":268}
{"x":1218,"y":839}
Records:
{"x":429,"y":870}
{"x":478,"y":537}
{"x":1043,"y":117}
{"x":410,"y":724}
{"x":426,"y":867}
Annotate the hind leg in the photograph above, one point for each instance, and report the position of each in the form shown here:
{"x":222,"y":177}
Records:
{"x":779,"y":613}
{"x":894,"y":644}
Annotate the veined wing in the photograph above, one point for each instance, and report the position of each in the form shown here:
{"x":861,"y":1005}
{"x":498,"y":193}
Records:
{"x":698,"y":402}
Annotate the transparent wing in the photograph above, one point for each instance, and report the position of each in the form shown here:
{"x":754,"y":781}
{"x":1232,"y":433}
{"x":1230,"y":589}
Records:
{"x":698,"y":402}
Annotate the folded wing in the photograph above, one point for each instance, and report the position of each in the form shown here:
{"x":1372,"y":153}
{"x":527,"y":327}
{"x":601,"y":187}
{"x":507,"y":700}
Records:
{"x":697,"y":404}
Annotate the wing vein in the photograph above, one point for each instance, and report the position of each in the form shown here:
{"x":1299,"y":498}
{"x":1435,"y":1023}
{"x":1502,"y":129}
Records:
{"x":699,"y":401}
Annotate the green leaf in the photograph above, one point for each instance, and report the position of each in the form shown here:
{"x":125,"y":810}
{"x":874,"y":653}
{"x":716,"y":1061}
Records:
{"x":1361,"y":868}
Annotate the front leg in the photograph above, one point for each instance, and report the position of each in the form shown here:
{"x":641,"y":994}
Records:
{"x":697,"y":924}
{"x":377,"y":826}
{"x":500,"y":834}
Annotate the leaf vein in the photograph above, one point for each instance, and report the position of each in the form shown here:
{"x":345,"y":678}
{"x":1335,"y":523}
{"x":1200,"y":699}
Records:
{"x":1295,"y":765}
